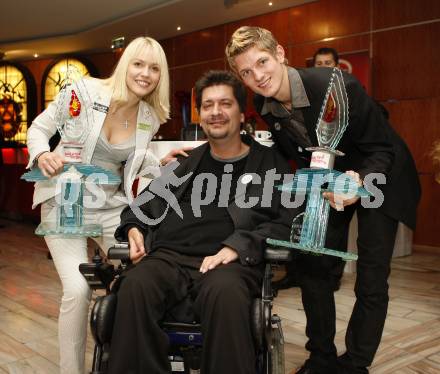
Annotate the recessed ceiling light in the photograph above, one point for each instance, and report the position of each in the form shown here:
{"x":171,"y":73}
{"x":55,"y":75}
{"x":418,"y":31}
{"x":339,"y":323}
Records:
{"x":179,"y":28}
{"x":35,"y":55}
{"x":270,"y":3}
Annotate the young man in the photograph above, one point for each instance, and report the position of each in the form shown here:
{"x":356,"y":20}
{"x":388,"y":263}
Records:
{"x":290,"y":101}
{"x":325,"y":58}
{"x":211,"y":255}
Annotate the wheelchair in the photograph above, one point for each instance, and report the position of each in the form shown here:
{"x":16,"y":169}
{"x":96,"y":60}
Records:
{"x":185,"y":338}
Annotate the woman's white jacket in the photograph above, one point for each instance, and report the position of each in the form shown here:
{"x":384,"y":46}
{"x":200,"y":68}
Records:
{"x":44,"y":127}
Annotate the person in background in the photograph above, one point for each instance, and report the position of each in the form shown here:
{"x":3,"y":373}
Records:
{"x":326,"y":57}
{"x":128,"y":109}
{"x":290,"y":100}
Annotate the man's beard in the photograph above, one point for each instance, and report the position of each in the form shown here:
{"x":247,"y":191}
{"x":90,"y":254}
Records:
{"x":215,"y":135}
{"x":213,"y":132}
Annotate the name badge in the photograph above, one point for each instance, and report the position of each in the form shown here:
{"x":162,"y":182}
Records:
{"x":100,"y":107}
{"x":144,"y":126}
{"x":247,"y":178}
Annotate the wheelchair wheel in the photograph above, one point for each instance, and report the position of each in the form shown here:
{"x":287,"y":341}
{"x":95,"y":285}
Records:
{"x":277,"y":352}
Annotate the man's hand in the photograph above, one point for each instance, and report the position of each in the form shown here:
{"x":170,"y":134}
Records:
{"x":172,"y":155}
{"x":224,"y":256}
{"x":339,"y":201}
{"x":50,"y":163}
{"x":137,"y":248}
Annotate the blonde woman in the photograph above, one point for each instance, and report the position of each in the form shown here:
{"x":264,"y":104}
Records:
{"x":128,"y":109}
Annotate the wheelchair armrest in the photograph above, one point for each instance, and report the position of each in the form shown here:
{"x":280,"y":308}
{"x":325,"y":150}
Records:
{"x":120,"y":251}
{"x":278,"y":255}
{"x":98,"y":275}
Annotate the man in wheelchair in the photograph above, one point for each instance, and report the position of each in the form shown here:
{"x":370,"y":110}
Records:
{"x":207,"y":249}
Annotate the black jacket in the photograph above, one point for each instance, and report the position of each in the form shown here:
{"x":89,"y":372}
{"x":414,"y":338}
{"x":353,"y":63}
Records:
{"x":252,"y":225}
{"x":370,"y":144}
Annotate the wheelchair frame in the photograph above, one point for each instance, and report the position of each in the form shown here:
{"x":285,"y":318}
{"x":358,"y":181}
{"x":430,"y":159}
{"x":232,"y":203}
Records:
{"x":185,"y":338}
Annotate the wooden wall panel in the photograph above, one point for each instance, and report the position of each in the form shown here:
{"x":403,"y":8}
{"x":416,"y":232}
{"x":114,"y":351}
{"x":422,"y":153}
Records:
{"x":276,"y":22}
{"x":428,"y":213}
{"x":297,"y":54}
{"x":199,"y":46}
{"x":416,"y":121}
{"x":328,"y":18}
{"x":168,"y":47}
{"x":405,"y":63}
{"x":389,"y":13}
{"x":104,"y":63}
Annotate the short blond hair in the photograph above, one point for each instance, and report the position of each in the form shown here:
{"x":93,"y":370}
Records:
{"x":159,"y":99}
{"x":246,"y":37}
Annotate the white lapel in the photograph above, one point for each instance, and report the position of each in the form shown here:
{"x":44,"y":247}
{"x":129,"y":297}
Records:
{"x":146,"y":127}
{"x":100,"y":95}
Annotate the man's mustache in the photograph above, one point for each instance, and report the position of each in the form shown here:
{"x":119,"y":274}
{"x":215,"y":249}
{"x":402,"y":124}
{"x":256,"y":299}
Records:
{"x":219,"y":118}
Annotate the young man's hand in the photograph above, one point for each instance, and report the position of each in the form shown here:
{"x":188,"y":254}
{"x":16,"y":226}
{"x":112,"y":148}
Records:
{"x":224,"y":256}
{"x":137,"y":248}
{"x":339,"y":201}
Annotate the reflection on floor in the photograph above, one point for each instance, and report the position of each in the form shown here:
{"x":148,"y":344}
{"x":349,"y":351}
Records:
{"x":30,"y":293}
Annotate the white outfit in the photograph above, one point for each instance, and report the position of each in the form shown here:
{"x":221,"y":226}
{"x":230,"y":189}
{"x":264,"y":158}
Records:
{"x":68,"y":253}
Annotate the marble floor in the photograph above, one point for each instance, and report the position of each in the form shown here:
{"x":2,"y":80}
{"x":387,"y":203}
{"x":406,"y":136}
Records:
{"x":30,"y":293}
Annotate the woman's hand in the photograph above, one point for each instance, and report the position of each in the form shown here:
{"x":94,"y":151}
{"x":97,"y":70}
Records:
{"x":137,"y":248}
{"x":50,"y":163}
{"x":172,"y":155}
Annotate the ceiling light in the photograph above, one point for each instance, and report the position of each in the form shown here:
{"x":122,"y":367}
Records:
{"x":270,"y":3}
{"x":35,"y":55}
{"x":118,"y":43}
{"x":179,"y":28}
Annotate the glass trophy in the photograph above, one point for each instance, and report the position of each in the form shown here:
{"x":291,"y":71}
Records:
{"x":308,"y":232}
{"x":74,"y":122}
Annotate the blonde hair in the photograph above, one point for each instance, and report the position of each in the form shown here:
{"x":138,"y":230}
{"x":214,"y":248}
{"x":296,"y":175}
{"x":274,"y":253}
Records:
{"x":159,"y":99}
{"x":247,"y":37}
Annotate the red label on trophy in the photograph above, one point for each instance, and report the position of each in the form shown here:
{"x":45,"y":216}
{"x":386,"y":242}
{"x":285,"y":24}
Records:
{"x":330,"y":110}
{"x":75,"y":105}
{"x":73,"y":117}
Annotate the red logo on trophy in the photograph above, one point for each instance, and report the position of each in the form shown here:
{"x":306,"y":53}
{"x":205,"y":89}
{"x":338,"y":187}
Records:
{"x":330,"y":110}
{"x":74,"y":105}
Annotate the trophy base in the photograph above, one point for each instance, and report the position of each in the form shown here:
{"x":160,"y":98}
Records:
{"x":35,"y":174}
{"x":346,"y":256}
{"x":303,"y":182}
{"x":91,"y":230}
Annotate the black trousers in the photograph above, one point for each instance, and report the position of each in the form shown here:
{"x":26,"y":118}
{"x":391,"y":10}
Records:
{"x":221,"y":300}
{"x":376,"y":236}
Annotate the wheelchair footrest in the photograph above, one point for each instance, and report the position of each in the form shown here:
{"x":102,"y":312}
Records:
{"x":183,"y":334}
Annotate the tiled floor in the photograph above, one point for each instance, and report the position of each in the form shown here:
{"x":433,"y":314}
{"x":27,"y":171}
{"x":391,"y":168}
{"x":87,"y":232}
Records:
{"x":30,"y":292}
